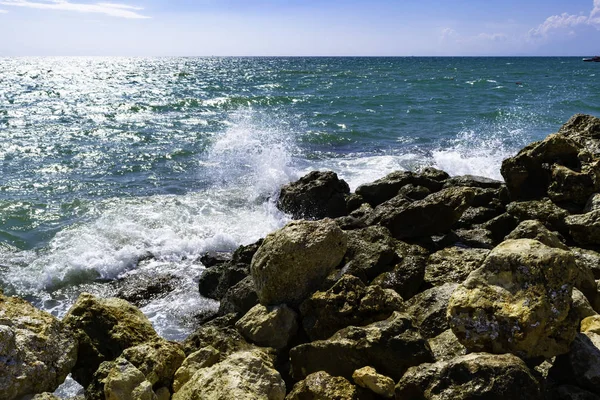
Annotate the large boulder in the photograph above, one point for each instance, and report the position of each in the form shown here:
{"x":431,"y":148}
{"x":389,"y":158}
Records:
{"x":446,"y":346}
{"x":269,"y":326}
{"x":533,"y":229}
{"x":119,"y":380}
{"x":322,"y":386}
{"x":157,"y":360}
{"x":242,"y":375}
{"x":585,"y":130}
{"x":470,"y":377}
{"x":319,"y":194}
{"x":518,"y":301}
{"x":406,"y":278}
{"x":37,"y":351}
{"x":104,"y":328}
{"x":558,"y":167}
{"x":585,"y":228}
{"x":453,"y":264}
{"x":292,"y":262}
{"x":368,"y":378}
{"x":348,"y":302}
{"x":390,"y":346}
{"x":387,"y":187}
{"x":239,"y":298}
{"x":545,"y":211}
{"x":434,"y":214}
{"x":220,"y":333}
{"x":203,"y":358}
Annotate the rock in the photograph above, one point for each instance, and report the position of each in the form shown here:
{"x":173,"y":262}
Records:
{"x":583,"y":129}
{"x":585,"y":228}
{"x":500,"y":226}
{"x":368,"y":378}
{"x":581,"y":305}
{"x":406,"y":278}
{"x":119,"y":380}
{"x":37,"y":351}
{"x":353,"y":202}
{"x":203,"y":358}
{"x":390,"y":346}
{"x":557,"y":167}
{"x":581,"y":363}
{"x":219,"y":333}
{"x":518,"y":301}
{"x":210,"y":259}
{"x":533,"y":229}
{"x":45,"y":396}
{"x":588,"y":258}
{"x":314,"y":196}
{"x":472,"y":376}
{"x":104,"y":328}
{"x":217,"y":280}
{"x":242,"y":375}
{"x":591,"y":324}
{"x":428,"y":309}
{"x":348,"y":302}
{"x":453,"y":265}
{"x":322,"y":386}
{"x":545,"y":211}
{"x":292,"y":262}
{"x":434,"y":214}
{"x":239,"y":298}
{"x":477,"y":215}
{"x":413,"y":192}
{"x":370,"y":251}
{"x":446,"y":346}
{"x":387,"y":187}
{"x":477,"y":238}
{"x":269,"y":327}
{"x":593,"y":203}
{"x":157,"y":360}
{"x":141,"y":288}
{"x":473,"y":181}
{"x":570,"y":392}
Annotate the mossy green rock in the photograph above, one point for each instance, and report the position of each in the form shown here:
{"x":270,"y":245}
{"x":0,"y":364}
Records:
{"x":293,"y":261}
{"x":518,"y":301}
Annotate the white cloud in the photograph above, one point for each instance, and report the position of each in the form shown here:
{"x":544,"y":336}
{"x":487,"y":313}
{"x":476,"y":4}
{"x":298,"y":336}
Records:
{"x":110,"y":9}
{"x":3,"y":11}
{"x":565,"y":21}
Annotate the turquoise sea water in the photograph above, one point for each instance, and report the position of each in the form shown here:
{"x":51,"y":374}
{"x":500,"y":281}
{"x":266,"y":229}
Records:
{"x":106,"y":160}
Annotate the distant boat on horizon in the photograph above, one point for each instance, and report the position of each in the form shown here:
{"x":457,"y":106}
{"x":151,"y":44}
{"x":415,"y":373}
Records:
{"x":592,"y":59}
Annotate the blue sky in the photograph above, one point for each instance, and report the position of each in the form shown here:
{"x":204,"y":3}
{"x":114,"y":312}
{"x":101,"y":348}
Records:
{"x":299,"y":27}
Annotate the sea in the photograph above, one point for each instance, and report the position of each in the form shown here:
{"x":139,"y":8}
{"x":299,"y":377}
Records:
{"x":112,"y":167}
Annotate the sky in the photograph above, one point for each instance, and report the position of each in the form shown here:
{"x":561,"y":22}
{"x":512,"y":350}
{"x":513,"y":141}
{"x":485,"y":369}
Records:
{"x":299,"y":28}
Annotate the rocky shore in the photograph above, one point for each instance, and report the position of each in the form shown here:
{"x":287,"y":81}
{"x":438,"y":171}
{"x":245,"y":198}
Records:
{"x":416,"y":286}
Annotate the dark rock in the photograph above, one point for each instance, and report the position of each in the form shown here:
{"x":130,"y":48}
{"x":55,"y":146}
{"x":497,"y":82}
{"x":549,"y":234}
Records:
{"x":470,"y":377}
{"x":141,"y":288}
{"x":211,"y":259}
{"x":314,"y":196}
{"x":240,"y":298}
{"x":414,"y":192}
{"x":349,"y":222}
{"x":216,"y":281}
{"x":570,"y":392}
{"x":390,"y":346}
{"x":434,"y":174}
{"x":387,"y":187}
{"x":589,"y":258}
{"x":446,"y":346}
{"x":581,"y":365}
{"x":473,"y":181}
{"x":353,"y":202}
{"x":478,"y":238}
{"x":348,"y":302}
{"x":406,"y":278}
{"x":545,"y":211}
{"x":432,"y":215}
{"x":370,"y":252}
{"x":477,"y":215}
{"x":585,"y":228}
{"x":428,"y":309}
{"x":219,"y":333}
{"x":453,"y":265}
{"x":593,"y":203}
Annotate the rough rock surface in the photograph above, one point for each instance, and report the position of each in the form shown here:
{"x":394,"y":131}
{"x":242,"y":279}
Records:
{"x":319,"y":194}
{"x":428,"y":309}
{"x":581,"y":363}
{"x":203,"y":358}
{"x":446,"y":346}
{"x":242,"y":375}
{"x":269,"y":326}
{"x":368,"y":378}
{"x":585,"y":228}
{"x":390,"y":346}
{"x":119,"y":380}
{"x":292,"y":262}
{"x":37,"y":351}
{"x":473,"y":376}
{"x":434,"y":214}
{"x":545,"y":211}
{"x":104,"y":328}
{"x":518,"y":301}
{"x":533,"y":229}
{"x":219,"y":333}
{"x":591,"y":324}
{"x":370,"y":251}
{"x":239,"y":298}
{"x":585,"y":130}
{"x":348,"y":302}
{"x":322,"y":386}
{"x":453,"y":265}
{"x":157,"y":360}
